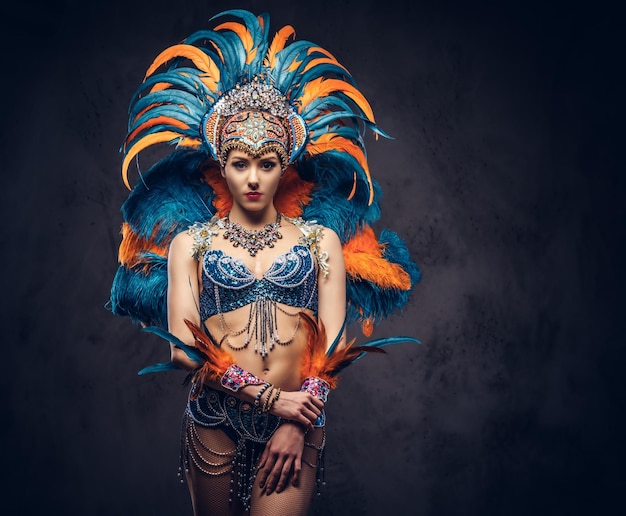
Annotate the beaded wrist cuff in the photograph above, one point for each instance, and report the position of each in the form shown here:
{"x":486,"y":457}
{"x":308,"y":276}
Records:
{"x":234,"y":378}
{"x":316,"y":387}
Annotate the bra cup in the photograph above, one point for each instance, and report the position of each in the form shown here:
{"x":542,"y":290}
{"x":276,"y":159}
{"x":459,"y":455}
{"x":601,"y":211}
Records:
{"x":291,"y":269}
{"x":228,"y":284}
{"x":226,"y":271}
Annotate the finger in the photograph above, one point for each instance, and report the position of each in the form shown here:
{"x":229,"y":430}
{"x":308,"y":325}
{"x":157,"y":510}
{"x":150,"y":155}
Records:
{"x":273,"y":477}
{"x":297,"y":466}
{"x":284,"y":475}
{"x":318,"y":403}
{"x":264,"y":473}
{"x":315,"y":407}
{"x":263,"y":459}
{"x":312,"y":416}
{"x":305,"y":422}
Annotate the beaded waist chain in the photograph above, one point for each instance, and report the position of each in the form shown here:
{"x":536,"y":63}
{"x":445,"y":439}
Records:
{"x":215,"y":408}
{"x":248,"y":427}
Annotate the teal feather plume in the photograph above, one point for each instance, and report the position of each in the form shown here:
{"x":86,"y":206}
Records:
{"x":159,"y":368}
{"x":381,"y":343}
{"x":191,"y":352}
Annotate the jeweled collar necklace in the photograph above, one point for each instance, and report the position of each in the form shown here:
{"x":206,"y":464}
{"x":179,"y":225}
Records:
{"x":253,"y":240}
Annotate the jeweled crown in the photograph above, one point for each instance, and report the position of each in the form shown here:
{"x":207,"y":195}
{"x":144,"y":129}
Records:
{"x":256,"y":95}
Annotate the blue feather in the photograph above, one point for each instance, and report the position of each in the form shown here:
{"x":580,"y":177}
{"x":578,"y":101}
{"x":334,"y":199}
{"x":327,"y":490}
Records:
{"x":191,"y":132}
{"x":171,"y":96}
{"x":171,"y":197}
{"x":191,"y":352}
{"x":140,"y":296}
{"x":157,"y":368}
{"x":186,"y":80}
{"x":258,"y":33}
{"x":170,"y":111}
{"x":229,"y":49}
{"x":332,"y":172}
{"x":388,"y":341}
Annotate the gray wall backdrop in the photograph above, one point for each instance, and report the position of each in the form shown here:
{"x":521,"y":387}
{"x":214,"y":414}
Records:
{"x":503,"y":180}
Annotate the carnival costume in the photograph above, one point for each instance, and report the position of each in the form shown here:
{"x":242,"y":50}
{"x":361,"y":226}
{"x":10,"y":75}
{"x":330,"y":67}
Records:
{"x":234,"y":88}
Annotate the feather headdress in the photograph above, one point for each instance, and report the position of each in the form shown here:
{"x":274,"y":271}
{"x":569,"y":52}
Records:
{"x":328,"y":178}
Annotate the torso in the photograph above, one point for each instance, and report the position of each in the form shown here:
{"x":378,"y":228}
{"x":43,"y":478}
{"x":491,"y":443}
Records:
{"x":250,"y":304}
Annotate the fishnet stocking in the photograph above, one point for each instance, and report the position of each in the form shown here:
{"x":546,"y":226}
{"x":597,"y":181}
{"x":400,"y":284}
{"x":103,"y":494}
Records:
{"x":293,"y":500}
{"x":209,"y":454}
{"x":208,"y":472}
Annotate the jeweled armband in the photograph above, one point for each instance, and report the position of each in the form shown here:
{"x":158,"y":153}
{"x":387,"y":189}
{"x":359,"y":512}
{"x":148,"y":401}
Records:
{"x":316,"y":387}
{"x":234,"y":378}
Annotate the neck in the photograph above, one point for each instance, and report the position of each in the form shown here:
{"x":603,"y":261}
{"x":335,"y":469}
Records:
{"x":253,"y":219}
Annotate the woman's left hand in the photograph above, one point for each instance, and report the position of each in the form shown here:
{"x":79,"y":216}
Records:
{"x":282,"y":458}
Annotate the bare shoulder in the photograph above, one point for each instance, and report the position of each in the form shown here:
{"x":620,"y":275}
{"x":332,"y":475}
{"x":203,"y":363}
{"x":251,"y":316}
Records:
{"x":183,"y":245}
{"x":183,"y":239}
{"x":329,"y":239}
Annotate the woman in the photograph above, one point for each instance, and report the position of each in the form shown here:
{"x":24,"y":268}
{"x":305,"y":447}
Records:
{"x":287,"y":466}
{"x":250,"y":249}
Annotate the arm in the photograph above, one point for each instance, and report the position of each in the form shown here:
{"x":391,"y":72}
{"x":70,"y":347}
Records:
{"x":182,"y":297}
{"x":332,"y":289}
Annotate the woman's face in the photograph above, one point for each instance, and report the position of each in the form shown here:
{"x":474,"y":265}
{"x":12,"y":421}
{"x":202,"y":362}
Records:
{"x":252,"y":181}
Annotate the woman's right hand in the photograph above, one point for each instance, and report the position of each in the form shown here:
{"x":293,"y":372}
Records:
{"x":297,"y":406}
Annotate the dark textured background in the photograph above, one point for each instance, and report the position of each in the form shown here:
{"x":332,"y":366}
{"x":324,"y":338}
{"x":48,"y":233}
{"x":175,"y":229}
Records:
{"x":502,"y":178}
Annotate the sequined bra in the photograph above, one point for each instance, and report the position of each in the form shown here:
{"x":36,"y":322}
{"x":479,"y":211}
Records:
{"x":228,"y":284}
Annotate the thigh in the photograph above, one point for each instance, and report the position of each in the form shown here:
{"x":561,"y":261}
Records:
{"x":208,"y":456}
{"x":293,"y":500}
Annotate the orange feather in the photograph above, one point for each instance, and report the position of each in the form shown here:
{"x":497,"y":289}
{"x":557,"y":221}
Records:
{"x":278,"y":43}
{"x":322,"y":60}
{"x":367,"y":327}
{"x":218,"y":50}
{"x":223,"y":199}
{"x":325,"y":52}
{"x":146,"y":109}
{"x":314,"y":62}
{"x":244,"y":35}
{"x":321,"y":87}
{"x":363,"y":256}
{"x":156,"y":121}
{"x":327,"y":141}
{"x":217,"y":359}
{"x":201,"y":60}
{"x":132,"y":246}
{"x":293,"y":193}
{"x":152,"y":139}
{"x":316,"y":361}
{"x":353,"y":191}
{"x":160,"y":86}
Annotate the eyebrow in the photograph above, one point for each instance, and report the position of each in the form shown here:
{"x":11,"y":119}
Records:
{"x":247,"y":158}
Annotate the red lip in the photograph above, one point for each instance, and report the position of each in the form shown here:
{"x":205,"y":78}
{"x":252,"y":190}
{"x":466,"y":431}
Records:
{"x":253,"y":195}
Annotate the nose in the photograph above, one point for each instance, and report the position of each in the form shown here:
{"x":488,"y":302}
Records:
{"x":253,"y":178}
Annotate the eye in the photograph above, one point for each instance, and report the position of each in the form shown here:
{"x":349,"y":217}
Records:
{"x":268,"y":165}
{"x":238,"y":165}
